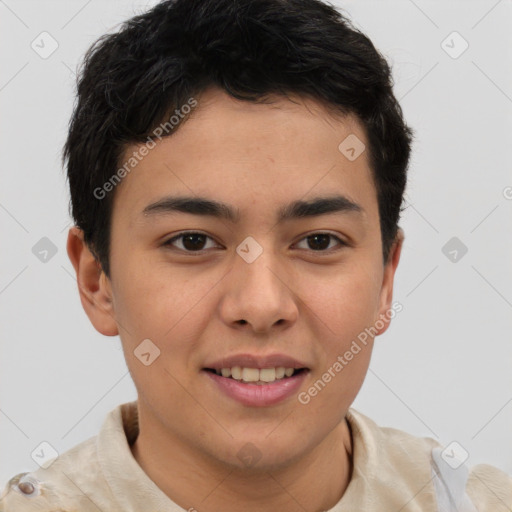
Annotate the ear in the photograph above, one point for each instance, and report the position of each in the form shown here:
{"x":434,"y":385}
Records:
{"x":386,"y":294}
{"x":94,"y":287}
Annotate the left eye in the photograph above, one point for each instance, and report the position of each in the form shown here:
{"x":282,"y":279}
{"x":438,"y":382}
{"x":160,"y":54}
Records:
{"x":321,"y":241}
{"x":192,"y":241}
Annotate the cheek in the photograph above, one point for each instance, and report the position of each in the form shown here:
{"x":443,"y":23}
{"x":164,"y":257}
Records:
{"x":162,"y":304}
{"x":344,"y":312}
{"x":345,"y":302}
{"x":344,"y":308}
{"x":167,"y":308}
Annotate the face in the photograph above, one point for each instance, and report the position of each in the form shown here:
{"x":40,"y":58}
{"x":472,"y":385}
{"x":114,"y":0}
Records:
{"x":289,"y":290}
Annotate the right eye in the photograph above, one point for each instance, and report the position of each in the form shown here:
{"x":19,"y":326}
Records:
{"x":191,"y":241}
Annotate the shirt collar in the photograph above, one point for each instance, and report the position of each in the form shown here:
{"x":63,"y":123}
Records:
{"x":131,"y":487}
{"x":391,"y":469}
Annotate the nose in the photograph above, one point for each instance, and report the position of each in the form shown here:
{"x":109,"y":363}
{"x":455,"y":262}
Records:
{"x":259,"y":295}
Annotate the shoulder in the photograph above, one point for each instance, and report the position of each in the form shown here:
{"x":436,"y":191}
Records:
{"x":490,"y":488}
{"x":77,"y":479}
{"x":66,"y":483}
{"x":402,"y":456}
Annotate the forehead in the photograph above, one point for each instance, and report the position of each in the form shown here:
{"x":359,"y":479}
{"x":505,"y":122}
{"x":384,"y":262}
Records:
{"x":272,"y":121}
{"x":230,"y":149}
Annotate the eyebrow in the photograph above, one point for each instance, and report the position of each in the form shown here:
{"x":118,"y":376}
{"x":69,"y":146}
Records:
{"x":209,"y":207}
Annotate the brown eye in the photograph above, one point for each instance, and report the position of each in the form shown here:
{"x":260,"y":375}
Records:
{"x":195,"y":242}
{"x":319,"y":242}
{"x":191,"y":241}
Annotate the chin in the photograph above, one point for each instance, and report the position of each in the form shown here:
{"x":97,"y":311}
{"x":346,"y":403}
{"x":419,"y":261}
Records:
{"x":261,"y":454}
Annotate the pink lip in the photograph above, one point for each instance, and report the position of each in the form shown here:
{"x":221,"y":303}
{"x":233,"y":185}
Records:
{"x":255,"y":361}
{"x":258,"y":395}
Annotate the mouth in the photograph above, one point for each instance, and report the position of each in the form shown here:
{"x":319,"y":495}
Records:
{"x":257,"y":376}
{"x":256,"y":380}
{"x":256,"y":387}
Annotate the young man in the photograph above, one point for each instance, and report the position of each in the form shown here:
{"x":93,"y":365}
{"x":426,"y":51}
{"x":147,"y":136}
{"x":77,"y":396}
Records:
{"x":236,"y":170}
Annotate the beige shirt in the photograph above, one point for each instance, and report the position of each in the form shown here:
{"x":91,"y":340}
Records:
{"x":393,"y":471}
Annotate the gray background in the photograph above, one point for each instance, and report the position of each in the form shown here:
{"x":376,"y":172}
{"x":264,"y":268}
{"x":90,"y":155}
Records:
{"x":442,"y":370}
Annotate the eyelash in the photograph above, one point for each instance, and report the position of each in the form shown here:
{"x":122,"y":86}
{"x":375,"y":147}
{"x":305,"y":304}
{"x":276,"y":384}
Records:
{"x":169,"y":242}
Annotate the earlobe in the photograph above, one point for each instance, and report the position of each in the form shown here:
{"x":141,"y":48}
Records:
{"x":386,"y":295}
{"x":93,"y":286}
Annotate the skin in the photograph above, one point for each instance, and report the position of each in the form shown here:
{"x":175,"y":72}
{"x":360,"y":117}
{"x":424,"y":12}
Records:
{"x":294,"y":299}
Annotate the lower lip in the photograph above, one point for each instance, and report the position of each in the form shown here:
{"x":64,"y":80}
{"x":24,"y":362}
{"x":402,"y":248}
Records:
{"x":257,"y":395}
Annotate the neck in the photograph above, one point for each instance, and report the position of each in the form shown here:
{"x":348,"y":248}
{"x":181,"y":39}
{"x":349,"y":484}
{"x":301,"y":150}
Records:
{"x":315,"y":481}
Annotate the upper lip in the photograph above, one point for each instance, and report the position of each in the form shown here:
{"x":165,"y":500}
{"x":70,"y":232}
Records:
{"x":255,"y":361}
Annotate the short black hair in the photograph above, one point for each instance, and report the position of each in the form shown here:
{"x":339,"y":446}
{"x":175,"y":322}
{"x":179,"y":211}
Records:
{"x":132,"y":80}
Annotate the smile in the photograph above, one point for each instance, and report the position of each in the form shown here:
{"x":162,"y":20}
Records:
{"x":257,"y":387}
{"x":256,"y":375}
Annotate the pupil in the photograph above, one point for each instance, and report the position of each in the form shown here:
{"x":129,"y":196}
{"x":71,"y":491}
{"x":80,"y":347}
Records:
{"x":194,"y":241}
{"x":323,"y":237}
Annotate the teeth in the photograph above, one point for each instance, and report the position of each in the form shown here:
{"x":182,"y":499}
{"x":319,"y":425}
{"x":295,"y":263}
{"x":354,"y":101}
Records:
{"x":255,"y":374}
{"x":267,"y":374}
{"x":280,"y":372}
{"x":250,"y":374}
